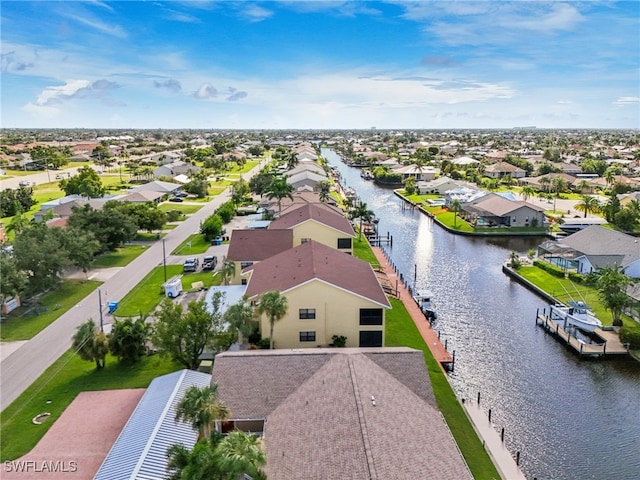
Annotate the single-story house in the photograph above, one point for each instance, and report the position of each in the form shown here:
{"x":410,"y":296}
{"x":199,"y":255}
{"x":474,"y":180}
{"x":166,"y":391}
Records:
{"x":423,"y":174}
{"x":502,"y":169}
{"x":592,"y":248}
{"x":159,"y":186}
{"x":440,"y":185}
{"x":495,"y":210}
{"x":305,"y":179}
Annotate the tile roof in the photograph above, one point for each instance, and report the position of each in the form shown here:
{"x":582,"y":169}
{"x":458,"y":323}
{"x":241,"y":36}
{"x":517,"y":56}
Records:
{"x":321,"y":421}
{"x":257,"y":245}
{"x":315,"y":261}
{"x":316,"y":212}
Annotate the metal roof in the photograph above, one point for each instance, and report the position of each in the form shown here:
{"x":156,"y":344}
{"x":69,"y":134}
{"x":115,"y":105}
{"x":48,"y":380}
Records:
{"x":140,"y":450}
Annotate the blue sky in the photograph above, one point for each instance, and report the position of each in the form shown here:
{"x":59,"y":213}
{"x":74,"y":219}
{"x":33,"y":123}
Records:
{"x":325,"y":64}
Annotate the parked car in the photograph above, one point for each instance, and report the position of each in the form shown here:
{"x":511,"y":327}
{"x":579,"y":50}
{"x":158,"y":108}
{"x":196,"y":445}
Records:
{"x":24,"y":183}
{"x":176,"y":199}
{"x":209,"y":262}
{"x":182,"y":194}
{"x":190,"y":265}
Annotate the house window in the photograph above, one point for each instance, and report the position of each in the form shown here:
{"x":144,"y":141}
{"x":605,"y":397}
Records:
{"x":245,"y":264}
{"x":243,"y":281}
{"x":370,"y":316}
{"x":344,"y":243}
{"x":371,"y":339}
{"x":307,"y":336}
{"x":307,"y":313}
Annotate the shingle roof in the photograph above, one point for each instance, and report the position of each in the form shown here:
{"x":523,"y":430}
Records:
{"x":316,"y":212}
{"x":497,"y":205}
{"x":604,"y":246}
{"x":321,"y":422}
{"x":140,"y":450}
{"x":256,"y":245}
{"x":315,"y":261}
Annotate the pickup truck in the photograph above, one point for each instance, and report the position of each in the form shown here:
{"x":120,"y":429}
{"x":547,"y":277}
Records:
{"x":190,"y":265}
{"x":209,"y":262}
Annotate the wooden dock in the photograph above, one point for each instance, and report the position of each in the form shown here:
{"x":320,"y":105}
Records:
{"x":431,"y":337}
{"x":611,"y":343}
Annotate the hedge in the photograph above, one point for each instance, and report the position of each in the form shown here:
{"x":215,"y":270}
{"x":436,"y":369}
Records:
{"x":632,"y":337}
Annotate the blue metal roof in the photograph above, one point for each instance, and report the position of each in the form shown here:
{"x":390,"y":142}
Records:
{"x":140,"y":450}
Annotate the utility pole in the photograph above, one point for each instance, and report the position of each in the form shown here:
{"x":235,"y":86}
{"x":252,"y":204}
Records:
{"x":164,"y":261}
{"x":100,"y":309}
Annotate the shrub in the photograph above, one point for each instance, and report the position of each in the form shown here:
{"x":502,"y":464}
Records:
{"x":226,"y":211}
{"x":339,"y":341}
{"x":547,"y":267}
{"x":632,"y":337}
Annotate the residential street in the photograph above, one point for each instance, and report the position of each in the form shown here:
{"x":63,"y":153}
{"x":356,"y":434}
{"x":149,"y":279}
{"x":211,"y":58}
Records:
{"x":22,"y":367}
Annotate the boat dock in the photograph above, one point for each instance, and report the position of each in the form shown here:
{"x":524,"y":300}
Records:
{"x":430,"y":336}
{"x":610,"y":345}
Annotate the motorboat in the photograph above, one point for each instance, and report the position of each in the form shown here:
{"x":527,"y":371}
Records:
{"x":576,"y":314}
{"x":423,"y":299}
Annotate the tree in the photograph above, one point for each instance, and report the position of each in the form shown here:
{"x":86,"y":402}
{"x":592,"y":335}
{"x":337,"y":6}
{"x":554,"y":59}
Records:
{"x":588,"y":204}
{"x":110,"y":227}
{"x":274,"y":305}
{"x":86,"y":183}
{"x":200,"y":407}
{"x":583,"y":186}
{"x":228,"y":270}
{"x":211,"y":227}
{"x":612,"y":285}
{"x":410,"y":185}
{"x":559,"y":185}
{"x":49,"y":156}
{"x":455,"y":208}
{"x":363,"y":213}
{"x":198,"y":187}
{"x":527,"y":191}
{"x":16,"y":201}
{"x":90,"y":344}
{"x":240,"y":454}
{"x":324,"y":188}
{"x":128,"y":339}
{"x":185,"y":336}
{"x":240,"y":316}
{"x":239,"y":192}
{"x":279,"y":189}
{"x":13,"y":281}
{"x":147,"y":216}
{"x":81,"y":246}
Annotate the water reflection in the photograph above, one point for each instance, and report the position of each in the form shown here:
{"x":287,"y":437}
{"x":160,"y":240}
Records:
{"x":570,"y":419}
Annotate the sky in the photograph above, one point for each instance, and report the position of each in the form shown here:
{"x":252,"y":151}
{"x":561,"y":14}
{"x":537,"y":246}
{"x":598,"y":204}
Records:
{"x":320,"y":65}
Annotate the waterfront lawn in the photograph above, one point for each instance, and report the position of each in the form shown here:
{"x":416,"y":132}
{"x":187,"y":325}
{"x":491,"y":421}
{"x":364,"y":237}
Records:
{"x":194,"y":244}
{"x":121,"y":257}
{"x":146,"y":295}
{"x":60,"y":384}
{"x":22,"y":326}
{"x":362,"y":250}
{"x":401,"y":331}
{"x":449,"y":219}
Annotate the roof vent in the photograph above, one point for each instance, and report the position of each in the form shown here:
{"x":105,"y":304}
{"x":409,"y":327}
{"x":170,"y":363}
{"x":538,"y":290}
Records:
{"x":373,"y":400}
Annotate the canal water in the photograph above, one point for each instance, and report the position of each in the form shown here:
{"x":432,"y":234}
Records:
{"x":569,"y":418}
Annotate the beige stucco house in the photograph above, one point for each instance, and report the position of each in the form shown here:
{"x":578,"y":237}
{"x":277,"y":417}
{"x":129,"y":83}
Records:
{"x":319,"y":222}
{"x":328,"y":293}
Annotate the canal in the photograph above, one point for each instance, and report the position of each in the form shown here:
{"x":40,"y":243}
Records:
{"x":569,"y":418}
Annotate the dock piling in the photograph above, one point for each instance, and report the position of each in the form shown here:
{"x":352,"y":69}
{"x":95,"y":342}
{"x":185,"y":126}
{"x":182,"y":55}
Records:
{"x":489,"y":415}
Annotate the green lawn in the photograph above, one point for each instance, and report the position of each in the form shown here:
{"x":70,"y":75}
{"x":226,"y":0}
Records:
{"x":401,"y":331}
{"x":59,"y":385}
{"x":186,"y":209}
{"x":146,"y":295}
{"x":362,"y":250}
{"x":21,"y":326}
{"x":194,"y":244}
{"x":121,"y":257}
{"x":148,"y":236}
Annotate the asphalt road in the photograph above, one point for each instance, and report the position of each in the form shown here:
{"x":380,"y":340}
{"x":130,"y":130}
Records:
{"x":22,"y":367}
{"x":38,"y":178}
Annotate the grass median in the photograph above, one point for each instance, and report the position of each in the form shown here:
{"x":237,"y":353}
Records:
{"x":194,"y":244}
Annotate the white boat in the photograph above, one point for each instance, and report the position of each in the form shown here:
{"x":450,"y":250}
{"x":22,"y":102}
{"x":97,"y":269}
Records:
{"x":423,"y":299}
{"x":576,"y":314}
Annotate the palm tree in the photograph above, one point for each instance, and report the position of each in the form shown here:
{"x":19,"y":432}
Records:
{"x":455,"y":208}
{"x":279,"y":189}
{"x":545,"y":182}
{"x":559,"y":185}
{"x":239,"y":316}
{"x":274,"y":305}
{"x":228,"y":270}
{"x":239,"y":453}
{"x":527,"y":191}
{"x":200,"y":407}
{"x":363,"y":213}
{"x":324,"y":188}
{"x":583,"y":186}
{"x":588,"y":204}
{"x":612,"y":286}
{"x":91,"y":345}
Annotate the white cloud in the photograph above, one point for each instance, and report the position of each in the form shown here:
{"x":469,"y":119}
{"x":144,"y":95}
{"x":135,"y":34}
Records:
{"x":206,"y":91}
{"x":43,"y":111}
{"x":51,"y":95}
{"x":624,"y":101}
{"x":255,"y":13}
{"x":113,"y":30}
